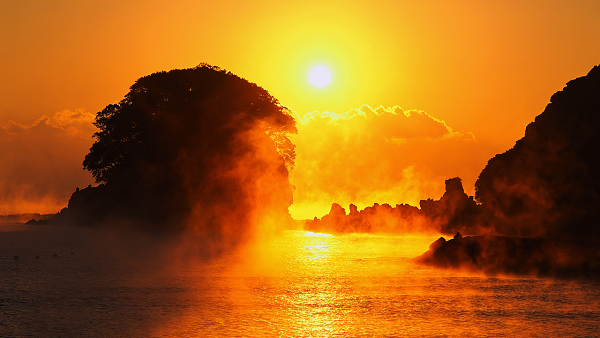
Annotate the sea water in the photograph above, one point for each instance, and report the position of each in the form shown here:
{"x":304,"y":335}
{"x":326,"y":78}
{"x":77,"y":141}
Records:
{"x":296,"y":284}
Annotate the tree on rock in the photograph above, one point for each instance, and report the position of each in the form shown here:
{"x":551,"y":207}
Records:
{"x":197,"y":146}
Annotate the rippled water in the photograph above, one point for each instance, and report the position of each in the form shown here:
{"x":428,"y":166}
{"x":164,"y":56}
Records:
{"x":297,"y":285}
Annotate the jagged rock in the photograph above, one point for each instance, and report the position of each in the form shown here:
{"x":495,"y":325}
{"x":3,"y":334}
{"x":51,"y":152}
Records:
{"x":455,"y":211}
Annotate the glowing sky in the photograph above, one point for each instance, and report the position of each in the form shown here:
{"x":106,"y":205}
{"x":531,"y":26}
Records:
{"x":482,"y":68}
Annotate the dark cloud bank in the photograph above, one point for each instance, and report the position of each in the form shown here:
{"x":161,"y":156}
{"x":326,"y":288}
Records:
{"x":536,"y":208}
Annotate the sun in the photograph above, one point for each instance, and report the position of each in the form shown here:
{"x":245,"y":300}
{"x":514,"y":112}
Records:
{"x":319,"y":76}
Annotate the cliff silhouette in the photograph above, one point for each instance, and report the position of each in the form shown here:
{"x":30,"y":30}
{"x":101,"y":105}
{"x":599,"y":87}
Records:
{"x":548,"y":184}
{"x":543,"y":195}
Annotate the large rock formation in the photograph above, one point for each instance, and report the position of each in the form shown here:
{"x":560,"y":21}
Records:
{"x":548,"y":184}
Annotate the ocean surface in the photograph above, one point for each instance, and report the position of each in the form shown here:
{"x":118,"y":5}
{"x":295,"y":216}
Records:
{"x":296,"y":284}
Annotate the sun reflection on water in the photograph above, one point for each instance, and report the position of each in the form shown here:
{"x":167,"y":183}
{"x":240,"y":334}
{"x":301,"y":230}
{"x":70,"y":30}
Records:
{"x":315,"y":248}
{"x":316,"y":234}
{"x":319,"y":285}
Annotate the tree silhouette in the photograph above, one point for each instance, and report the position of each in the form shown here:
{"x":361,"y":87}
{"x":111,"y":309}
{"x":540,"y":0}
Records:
{"x":178,"y":105}
{"x":197,"y":145}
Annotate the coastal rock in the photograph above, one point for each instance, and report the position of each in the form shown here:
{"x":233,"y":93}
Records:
{"x":548,"y":185}
{"x":500,"y":255}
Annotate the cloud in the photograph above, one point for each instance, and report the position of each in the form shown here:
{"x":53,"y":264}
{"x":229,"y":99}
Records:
{"x":384,"y":155}
{"x":41,"y":162}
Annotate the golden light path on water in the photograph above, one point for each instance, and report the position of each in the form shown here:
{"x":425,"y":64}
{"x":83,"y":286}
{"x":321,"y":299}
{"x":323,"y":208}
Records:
{"x":296,"y":284}
{"x":306,"y":284}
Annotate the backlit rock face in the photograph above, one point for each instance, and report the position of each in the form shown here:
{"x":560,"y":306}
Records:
{"x":548,"y":184}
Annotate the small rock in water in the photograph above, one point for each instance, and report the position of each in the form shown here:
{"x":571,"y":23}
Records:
{"x":37,"y":257}
{"x":72,"y":253}
{"x":16,"y":258}
{"x":55,"y":255}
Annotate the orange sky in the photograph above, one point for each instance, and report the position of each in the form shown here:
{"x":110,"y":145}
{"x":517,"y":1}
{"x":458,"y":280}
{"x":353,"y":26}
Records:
{"x":485,"y":70}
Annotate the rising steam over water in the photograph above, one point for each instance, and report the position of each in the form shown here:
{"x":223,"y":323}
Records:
{"x":299,"y":284}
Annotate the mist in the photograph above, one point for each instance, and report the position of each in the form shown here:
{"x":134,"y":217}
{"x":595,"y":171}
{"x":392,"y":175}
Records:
{"x":378,"y":155}
{"x":41,"y":162}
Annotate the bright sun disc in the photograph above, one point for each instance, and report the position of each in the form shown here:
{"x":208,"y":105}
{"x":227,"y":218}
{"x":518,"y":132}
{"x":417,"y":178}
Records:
{"x":319,"y":76}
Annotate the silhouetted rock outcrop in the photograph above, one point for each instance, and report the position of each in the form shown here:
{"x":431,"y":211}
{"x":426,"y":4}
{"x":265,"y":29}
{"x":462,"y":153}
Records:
{"x":380,"y":218}
{"x":499,"y":255}
{"x":548,"y":184}
{"x":454,"y":211}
